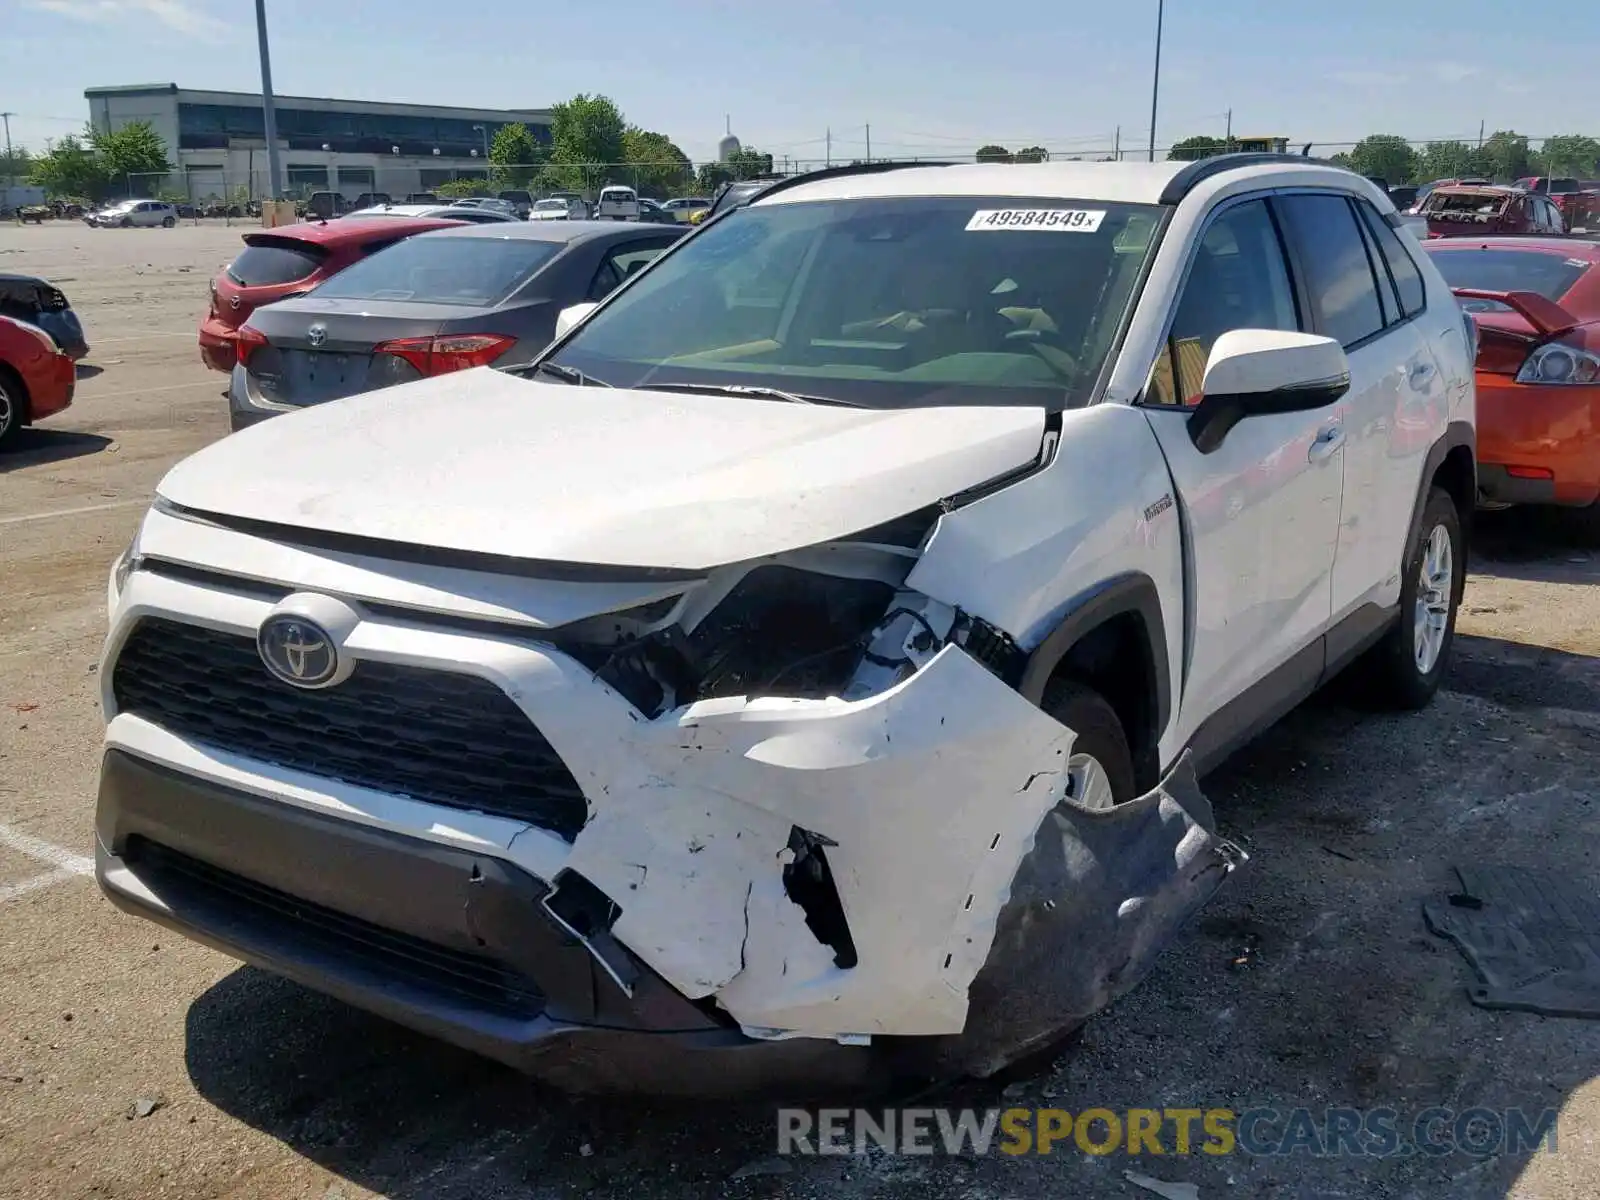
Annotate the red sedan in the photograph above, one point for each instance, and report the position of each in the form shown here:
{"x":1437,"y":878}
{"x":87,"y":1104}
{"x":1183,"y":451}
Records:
{"x":278,"y":263}
{"x":36,"y":378}
{"x":1536,"y":302}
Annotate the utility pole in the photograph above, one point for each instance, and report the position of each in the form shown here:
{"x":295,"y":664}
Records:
{"x":1229,"y":138}
{"x":869,"y":143}
{"x":1117,"y":144}
{"x":829,"y":161}
{"x":269,"y":117}
{"x":1155,"y":80}
{"x":10,"y":162}
{"x":1480,"y":135}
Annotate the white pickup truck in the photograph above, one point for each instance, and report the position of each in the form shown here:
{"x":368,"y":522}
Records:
{"x":617,"y":204}
{"x":803,"y":668}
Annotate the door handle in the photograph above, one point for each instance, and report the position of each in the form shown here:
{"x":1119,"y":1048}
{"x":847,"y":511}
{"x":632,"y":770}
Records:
{"x":1329,"y":438}
{"x":1421,"y":373}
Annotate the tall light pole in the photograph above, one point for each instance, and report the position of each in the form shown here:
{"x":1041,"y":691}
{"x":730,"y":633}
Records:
{"x":269,"y":118}
{"x":10,"y":162}
{"x":1155,"y":80}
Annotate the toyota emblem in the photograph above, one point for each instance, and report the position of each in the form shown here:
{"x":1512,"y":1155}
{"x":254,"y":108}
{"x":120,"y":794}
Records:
{"x":317,"y":334}
{"x":233,"y":302}
{"x":298,"y":651}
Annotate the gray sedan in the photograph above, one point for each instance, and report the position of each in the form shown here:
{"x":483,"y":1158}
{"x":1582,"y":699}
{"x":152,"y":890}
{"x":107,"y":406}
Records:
{"x":438,"y":302}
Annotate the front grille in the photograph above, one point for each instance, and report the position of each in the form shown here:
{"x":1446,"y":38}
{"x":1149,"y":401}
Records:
{"x":306,"y":931}
{"x":450,"y":739}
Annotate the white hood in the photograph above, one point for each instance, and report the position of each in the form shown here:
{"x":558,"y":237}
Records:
{"x":483,"y":461}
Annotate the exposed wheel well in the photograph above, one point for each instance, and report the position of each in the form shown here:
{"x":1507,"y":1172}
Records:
{"x":1458,"y":476}
{"x":1115,"y":660}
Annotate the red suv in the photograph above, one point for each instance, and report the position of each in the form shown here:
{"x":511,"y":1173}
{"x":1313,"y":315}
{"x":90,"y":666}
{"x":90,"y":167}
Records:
{"x":286,"y":261}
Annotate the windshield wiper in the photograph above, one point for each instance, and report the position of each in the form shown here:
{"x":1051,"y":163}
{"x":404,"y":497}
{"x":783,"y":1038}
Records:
{"x":741,"y":389}
{"x":566,"y":374}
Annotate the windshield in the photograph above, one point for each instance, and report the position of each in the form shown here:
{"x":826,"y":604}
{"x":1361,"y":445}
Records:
{"x":1550,"y":275}
{"x":552,"y":205}
{"x":478,"y":271}
{"x":883,"y":303}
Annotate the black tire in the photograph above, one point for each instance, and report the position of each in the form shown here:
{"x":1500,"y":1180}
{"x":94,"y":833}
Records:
{"x":1584,"y":523}
{"x":126,"y":223}
{"x":1009,"y":1033}
{"x":167,"y":222}
{"x":1391,"y":676}
{"x":1099,"y":731}
{"x":13,"y":406}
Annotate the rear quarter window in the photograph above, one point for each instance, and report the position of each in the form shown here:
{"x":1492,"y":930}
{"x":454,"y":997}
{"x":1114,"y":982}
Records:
{"x":274,"y":263}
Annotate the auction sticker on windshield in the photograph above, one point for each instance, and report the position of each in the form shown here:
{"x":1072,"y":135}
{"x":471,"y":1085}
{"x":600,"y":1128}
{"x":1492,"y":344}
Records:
{"x":1059,"y":220}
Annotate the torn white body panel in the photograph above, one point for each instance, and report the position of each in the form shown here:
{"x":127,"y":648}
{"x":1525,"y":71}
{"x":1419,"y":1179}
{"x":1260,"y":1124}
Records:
{"x":931,"y":793}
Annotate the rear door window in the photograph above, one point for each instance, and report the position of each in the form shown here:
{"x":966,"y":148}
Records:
{"x":271,"y":263}
{"x":1338,"y":273}
{"x":472,"y":271}
{"x":1402,"y":267}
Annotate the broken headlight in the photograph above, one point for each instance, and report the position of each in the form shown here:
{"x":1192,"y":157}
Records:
{"x":779,"y":631}
{"x":783,"y":631}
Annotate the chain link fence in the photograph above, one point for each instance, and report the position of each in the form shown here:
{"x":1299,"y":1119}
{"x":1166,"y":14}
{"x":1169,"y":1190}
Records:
{"x":229,"y":193}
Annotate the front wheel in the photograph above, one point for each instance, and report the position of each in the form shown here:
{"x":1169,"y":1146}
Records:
{"x":126,"y":223}
{"x":167,"y":222}
{"x":1404,"y":669}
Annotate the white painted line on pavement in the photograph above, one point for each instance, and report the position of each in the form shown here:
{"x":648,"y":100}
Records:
{"x":12,"y":890}
{"x":56,"y":856}
{"x":71,"y":512}
{"x":139,"y":337}
{"x":174,"y":387}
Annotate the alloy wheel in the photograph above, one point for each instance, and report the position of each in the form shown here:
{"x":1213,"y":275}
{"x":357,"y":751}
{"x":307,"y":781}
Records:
{"x":1435,"y":583}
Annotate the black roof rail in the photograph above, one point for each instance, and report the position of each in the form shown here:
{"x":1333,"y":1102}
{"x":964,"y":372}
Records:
{"x":870,"y":168}
{"x":1197,"y":172}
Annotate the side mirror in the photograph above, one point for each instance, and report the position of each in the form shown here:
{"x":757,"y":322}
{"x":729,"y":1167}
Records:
{"x":570,"y":317}
{"x":1264,"y":372}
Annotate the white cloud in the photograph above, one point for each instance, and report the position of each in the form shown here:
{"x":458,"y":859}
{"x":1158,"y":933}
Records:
{"x":1453,"y":72}
{"x":182,"y":16}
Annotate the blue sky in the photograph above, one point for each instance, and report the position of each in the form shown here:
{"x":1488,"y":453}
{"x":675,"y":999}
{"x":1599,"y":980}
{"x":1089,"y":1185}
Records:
{"x":930,"y":76}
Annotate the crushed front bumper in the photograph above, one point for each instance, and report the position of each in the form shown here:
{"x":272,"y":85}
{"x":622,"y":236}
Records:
{"x":446,"y":941}
{"x":984,"y":911}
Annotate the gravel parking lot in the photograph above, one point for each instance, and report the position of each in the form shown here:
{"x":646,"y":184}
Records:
{"x":134,"y":1065}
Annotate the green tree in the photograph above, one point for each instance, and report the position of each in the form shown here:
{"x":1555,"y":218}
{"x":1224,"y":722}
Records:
{"x":134,"y":157}
{"x":659,"y":168}
{"x":1445,"y":160}
{"x":993,"y":154}
{"x":68,"y":168}
{"x":17,"y":166}
{"x":586,"y":141}
{"x":1504,"y":156}
{"x":1571,"y":154}
{"x":1197,"y":147}
{"x":1032,"y":154}
{"x":460,"y":189}
{"x":1385,"y":156}
{"x":515,"y":156}
{"x":745,"y":163}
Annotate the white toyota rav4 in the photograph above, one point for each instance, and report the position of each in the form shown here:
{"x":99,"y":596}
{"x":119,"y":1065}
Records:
{"x":801,"y":671}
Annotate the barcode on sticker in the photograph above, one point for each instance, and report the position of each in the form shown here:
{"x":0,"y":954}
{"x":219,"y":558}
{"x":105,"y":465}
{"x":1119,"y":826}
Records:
{"x":1061,"y":220}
